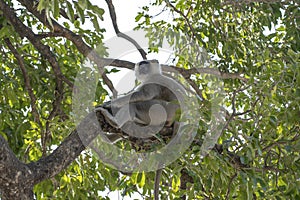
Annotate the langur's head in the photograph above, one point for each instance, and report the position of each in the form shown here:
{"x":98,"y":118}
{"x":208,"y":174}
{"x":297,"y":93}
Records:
{"x":145,"y":69}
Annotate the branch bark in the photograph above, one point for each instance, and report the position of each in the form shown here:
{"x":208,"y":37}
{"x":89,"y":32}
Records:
{"x":17,"y":179}
{"x":68,"y":150}
{"x":15,"y":176}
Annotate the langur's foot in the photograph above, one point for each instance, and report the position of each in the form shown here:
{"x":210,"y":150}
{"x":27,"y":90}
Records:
{"x":108,"y":117}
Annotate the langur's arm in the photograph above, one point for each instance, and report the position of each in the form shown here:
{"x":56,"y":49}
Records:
{"x":145,"y":93}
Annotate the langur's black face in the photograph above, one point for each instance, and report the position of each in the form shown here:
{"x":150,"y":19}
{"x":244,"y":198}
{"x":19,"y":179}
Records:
{"x":146,"y":68}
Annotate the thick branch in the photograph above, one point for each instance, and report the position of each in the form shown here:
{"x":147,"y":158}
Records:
{"x":15,"y":176}
{"x":17,"y":179}
{"x":89,"y":128}
{"x":201,"y":70}
{"x":68,"y":150}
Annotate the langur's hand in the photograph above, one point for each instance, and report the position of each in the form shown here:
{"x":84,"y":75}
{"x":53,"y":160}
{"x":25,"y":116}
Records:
{"x":106,"y":104}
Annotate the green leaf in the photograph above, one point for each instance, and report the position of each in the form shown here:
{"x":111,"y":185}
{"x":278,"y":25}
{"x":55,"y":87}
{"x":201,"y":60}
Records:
{"x":82,"y":4}
{"x":281,"y":28}
{"x":56,"y":8}
{"x":142,"y":180}
{"x":96,"y":24}
{"x":42,"y":5}
{"x":175,"y":183}
{"x":4,"y":135}
{"x":4,"y":32}
{"x":98,"y":11}
{"x":81,"y":12}
{"x":273,"y":121}
{"x":139,"y":16}
{"x":134,"y":178}
{"x":70,"y":11}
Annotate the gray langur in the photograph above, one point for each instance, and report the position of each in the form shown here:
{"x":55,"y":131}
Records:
{"x":151,"y":104}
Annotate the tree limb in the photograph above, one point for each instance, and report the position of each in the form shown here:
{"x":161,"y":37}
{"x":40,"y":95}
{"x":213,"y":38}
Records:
{"x":101,"y":62}
{"x":15,"y":176}
{"x":28,"y":87}
{"x":67,"y":151}
{"x":113,"y":17}
{"x":45,"y":51}
{"x":77,"y":40}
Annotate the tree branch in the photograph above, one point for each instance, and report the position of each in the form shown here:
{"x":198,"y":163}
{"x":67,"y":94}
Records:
{"x":211,"y":71}
{"x":15,"y":176}
{"x":229,"y":185}
{"x":183,"y":15}
{"x":28,"y":87}
{"x":48,"y":34}
{"x":101,"y":62}
{"x":45,"y":51}
{"x":113,"y":17}
{"x":67,"y":151}
{"x":76,"y":39}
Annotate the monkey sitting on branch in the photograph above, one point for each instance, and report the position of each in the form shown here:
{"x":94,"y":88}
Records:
{"x":144,"y":111}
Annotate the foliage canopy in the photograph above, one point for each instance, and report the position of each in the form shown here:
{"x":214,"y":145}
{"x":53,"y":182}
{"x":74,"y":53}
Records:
{"x":253,"y":43}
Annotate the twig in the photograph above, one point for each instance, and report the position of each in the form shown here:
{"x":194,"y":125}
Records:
{"x":229,"y":185}
{"x":157,"y":179}
{"x":184,"y":16}
{"x":113,"y":17}
{"x":109,"y":85}
{"x":28,"y":87}
{"x":232,"y":114}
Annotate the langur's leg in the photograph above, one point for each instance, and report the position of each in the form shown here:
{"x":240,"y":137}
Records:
{"x":124,"y":115}
{"x":107,"y":116}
